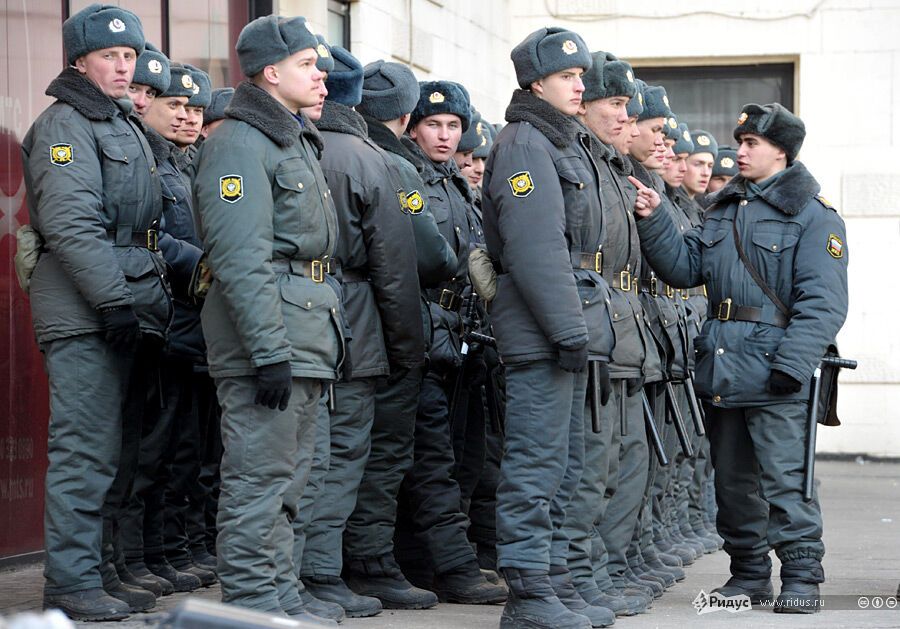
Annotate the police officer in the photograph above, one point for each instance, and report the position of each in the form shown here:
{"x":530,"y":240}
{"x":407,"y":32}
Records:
{"x":723,"y":170}
{"x":189,"y":137}
{"x":381,"y":297}
{"x":756,"y":355}
{"x":215,"y":113}
{"x":390,"y":93}
{"x":97,"y":290}
{"x":430,"y":490}
{"x":548,"y":319}
{"x":272,"y":325}
{"x":700,"y":163}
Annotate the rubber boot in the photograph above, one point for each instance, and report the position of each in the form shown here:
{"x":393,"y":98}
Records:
{"x":532,"y":603}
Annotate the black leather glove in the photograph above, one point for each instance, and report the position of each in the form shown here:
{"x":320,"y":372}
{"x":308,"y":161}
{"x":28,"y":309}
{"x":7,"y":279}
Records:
{"x":603,"y":382}
{"x":273,"y":385}
{"x":782,"y":384}
{"x":633,"y":386}
{"x":123,"y":330}
{"x":573,"y":360}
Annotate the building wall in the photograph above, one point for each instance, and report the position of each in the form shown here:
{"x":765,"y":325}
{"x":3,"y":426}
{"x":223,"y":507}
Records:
{"x":847,"y":91}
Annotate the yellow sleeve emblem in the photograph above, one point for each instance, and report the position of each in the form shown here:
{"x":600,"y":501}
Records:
{"x":521,"y":184}
{"x":231,"y":188}
{"x":835,"y":246}
{"x":62,"y":154}
{"x":414,"y":202}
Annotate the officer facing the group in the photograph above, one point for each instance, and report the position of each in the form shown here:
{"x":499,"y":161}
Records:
{"x":97,"y":289}
{"x":542,"y":219}
{"x":272,"y":325}
{"x":772,"y":254}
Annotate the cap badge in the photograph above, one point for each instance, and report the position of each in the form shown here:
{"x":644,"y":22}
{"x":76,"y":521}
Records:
{"x":154,"y":66}
{"x":703,"y":140}
{"x":116,"y":25}
{"x":478,"y":129}
{"x":666,"y":100}
{"x":569,"y":47}
{"x":322,"y":50}
{"x":743,"y":118}
{"x":630,"y":76}
{"x":436,"y":97}
{"x":187,"y":82}
{"x":673,"y":123}
{"x":641,"y":98}
{"x":196,"y":89}
{"x":686,"y":136}
{"x":727,"y":162}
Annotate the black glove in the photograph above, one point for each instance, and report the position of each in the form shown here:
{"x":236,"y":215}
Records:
{"x":347,"y":365}
{"x":273,"y":385}
{"x":123,"y":330}
{"x":573,"y":360}
{"x":782,"y":384}
{"x":633,"y":385}
{"x":603,"y":382}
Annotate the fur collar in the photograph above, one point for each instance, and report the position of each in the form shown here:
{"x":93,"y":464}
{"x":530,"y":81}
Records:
{"x":559,"y":128}
{"x":385,"y":139}
{"x":427,"y":169}
{"x":161,"y":147}
{"x":342,"y":119}
{"x":251,"y":104}
{"x":73,"y":89}
{"x":790,"y":193}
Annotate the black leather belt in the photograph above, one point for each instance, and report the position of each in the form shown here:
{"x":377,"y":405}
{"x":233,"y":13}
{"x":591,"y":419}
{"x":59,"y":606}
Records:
{"x":448,"y":300}
{"x":146,"y":239}
{"x":354,"y":275}
{"x":729,"y":311}
{"x":313,"y":269}
{"x":589,"y":261}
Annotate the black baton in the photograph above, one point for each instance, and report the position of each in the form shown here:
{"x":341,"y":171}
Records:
{"x":694,"y":405}
{"x":653,"y":431}
{"x":675,"y":413}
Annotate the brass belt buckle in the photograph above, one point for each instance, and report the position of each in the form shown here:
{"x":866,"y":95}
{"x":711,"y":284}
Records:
{"x":152,"y":240}
{"x":598,"y":262}
{"x":670,"y":292}
{"x":317,"y":271}
{"x":447,"y":299}
{"x":625,"y":280}
{"x":727,"y":315}
{"x":685,"y":294}
{"x":705,"y":294}
{"x":654,"y":286}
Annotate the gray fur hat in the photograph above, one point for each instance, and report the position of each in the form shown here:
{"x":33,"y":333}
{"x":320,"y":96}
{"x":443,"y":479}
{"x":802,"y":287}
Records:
{"x":442,"y":97}
{"x":202,"y":87}
{"x":671,"y":128}
{"x":271,"y":38}
{"x":656,"y":103}
{"x":99,"y":26}
{"x":471,"y":139}
{"x":608,"y":76}
{"x":683,"y":143}
{"x":775,"y":123}
{"x":181,"y":82}
{"x":635,"y":106}
{"x":345,"y":81}
{"x":726,"y":162}
{"x":325,"y":60}
{"x":218,"y":101}
{"x":152,"y":69}
{"x":487,"y":140}
{"x":390,"y":90}
{"x":704,"y":142}
{"x":548,"y":50}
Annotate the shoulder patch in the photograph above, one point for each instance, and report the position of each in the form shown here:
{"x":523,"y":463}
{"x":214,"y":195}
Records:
{"x":62,"y":154}
{"x":414,"y":202}
{"x":521,"y":184}
{"x":835,"y":246}
{"x":825,"y":202}
{"x":231,"y":188}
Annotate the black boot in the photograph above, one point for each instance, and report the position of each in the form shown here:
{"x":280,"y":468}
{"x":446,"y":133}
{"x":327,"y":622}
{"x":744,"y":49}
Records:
{"x":800,"y":579}
{"x":465,"y":584}
{"x":382,"y":578}
{"x":751,"y":576}
{"x":533,"y":604}
{"x":181,"y":581}
{"x":561,"y":580}
{"x":334,"y":590}
{"x":137,"y":598}
{"x":93,"y":605}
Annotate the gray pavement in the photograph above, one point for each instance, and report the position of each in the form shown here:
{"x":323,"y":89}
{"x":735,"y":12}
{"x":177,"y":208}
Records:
{"x":862,"y":536}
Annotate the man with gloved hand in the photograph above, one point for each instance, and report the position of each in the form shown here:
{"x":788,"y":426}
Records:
{"x":270,"y":319}
{"x":543,"y":227}
{"x":773,"y":256}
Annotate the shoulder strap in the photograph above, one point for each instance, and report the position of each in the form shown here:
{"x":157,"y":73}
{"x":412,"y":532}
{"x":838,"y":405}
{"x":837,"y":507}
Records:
{"x":755,"y":274}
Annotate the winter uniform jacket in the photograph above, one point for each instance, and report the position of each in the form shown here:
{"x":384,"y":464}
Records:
{"x":93,"y":190}
{"x":180,"y":247}
{"x":796,"y":242}
{"x":635,"y":351}
{"x":542,"y":217}
{"x":382,"y":310}
{"x":265,"y":215}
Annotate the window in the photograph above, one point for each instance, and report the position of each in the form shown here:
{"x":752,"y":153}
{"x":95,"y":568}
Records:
{"x":339,"y":23}
{"x":711,"y":97}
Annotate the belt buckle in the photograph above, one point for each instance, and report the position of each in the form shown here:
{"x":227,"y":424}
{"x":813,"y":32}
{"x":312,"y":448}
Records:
{"x":317,"y":271}
{"x":654,"y":286}
{"x":152,"y":240}
{"x":685,"y":294}
{"x":727,"y":315}
{"x":625,"y":280}
{"x":448,"y":299}
{"x":670,"y":292}
{"x":598,"y":262}
{"x":705,"y":294}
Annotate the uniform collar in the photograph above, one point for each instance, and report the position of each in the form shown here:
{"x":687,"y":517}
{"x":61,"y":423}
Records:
{"x":560,"y":129}
{"x":789,"y":192}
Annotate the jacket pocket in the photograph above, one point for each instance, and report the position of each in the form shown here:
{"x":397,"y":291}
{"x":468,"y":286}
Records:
{"x":595,"y":305}
{"x":294,"y":183}
{"x":311,"y":318}
{"x":774,"y":252}
{"x":119,"y":155}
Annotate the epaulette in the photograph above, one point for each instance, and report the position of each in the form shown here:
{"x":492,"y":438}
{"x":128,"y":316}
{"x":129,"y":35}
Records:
{"x":825,"y":202}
